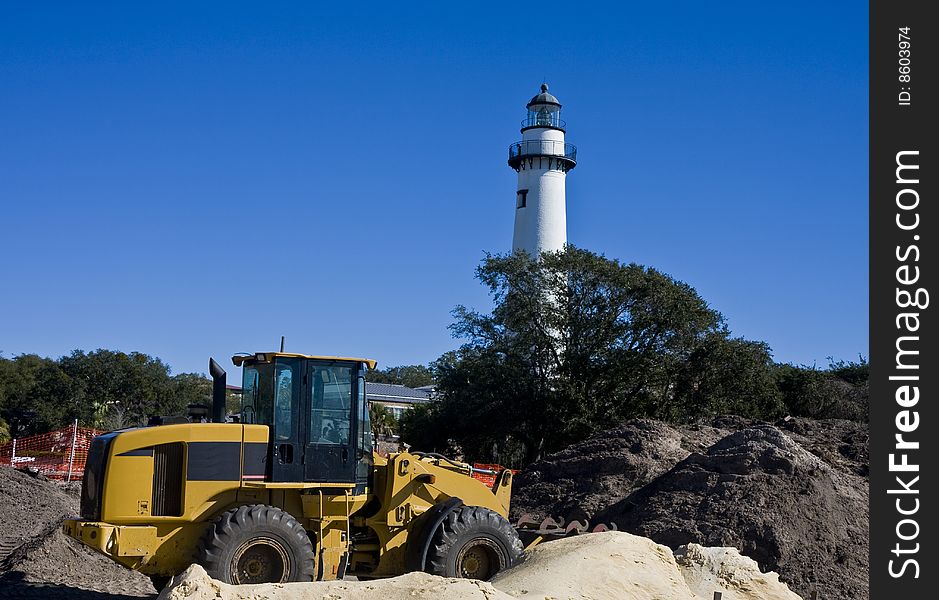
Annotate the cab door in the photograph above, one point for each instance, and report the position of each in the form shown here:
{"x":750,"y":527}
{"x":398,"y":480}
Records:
{"x":329,"y":452}
{"x":286,"y":451}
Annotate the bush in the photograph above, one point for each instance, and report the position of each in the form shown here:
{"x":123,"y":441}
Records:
{"x":840,"y":392}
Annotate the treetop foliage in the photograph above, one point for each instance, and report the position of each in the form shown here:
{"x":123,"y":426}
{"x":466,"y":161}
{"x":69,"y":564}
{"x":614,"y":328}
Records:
{"x":842,"y":391}
{"x":575,"y":343}
{"x":103,"y":389}
{"x":412,"y":376}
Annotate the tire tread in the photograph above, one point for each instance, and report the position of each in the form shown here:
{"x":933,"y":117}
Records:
{"x":463,"y":522}
{"x":242,"y":520}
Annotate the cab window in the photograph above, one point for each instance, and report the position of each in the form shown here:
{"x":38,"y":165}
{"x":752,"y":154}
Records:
{"x":331,"y":412}
{"x":285,"y":388}
{"x":256,"y":400}
{"x":365,"y":426}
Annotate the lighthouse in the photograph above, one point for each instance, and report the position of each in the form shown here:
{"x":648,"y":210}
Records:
{"x":542,"y":159}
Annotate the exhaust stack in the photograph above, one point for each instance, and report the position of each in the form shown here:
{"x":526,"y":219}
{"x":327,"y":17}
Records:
{"x":218,"y":391}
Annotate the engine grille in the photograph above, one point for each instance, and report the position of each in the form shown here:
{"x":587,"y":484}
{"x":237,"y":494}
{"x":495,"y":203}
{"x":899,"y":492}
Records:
{"x":93,"y":480}
{"x":167,"y":480}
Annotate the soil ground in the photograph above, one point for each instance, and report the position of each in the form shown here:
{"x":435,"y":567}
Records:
{"x":791,"y":495}
{"x":38,"y":561}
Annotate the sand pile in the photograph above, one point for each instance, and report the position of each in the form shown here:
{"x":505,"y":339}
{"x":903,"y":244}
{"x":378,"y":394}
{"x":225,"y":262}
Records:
{"x":195,"y":584}
{"x":725,"y":570}
{"x":600,"y":566}
{"x":612,"y":565}
{"x":43,"y":562}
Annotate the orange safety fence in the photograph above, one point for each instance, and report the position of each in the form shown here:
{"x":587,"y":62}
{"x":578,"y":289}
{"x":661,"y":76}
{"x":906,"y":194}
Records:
{"x":488,"y":478}
{"x":59,"y":454}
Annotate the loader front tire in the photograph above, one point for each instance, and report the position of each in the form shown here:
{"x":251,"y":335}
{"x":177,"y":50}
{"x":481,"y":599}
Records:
{"x":257,"y":544}
{"x":474,"y":543}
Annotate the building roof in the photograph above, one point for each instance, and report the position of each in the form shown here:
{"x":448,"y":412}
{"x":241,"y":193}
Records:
{"x":393,"y":392}
{"x":544,"y":98}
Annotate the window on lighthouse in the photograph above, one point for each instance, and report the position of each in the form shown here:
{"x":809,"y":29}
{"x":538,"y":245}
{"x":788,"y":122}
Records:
{"x":521,"y":198}
{"x":544,"y":117}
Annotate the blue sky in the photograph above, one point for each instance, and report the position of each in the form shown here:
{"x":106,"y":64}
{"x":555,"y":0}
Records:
{"x":199,"y":179}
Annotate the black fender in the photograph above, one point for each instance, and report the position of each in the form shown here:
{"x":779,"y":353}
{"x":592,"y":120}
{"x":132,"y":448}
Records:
{"x":422,"y":531}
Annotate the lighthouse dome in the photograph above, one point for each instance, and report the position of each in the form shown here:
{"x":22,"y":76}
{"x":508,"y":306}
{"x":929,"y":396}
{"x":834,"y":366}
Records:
{"x":544,"y":98}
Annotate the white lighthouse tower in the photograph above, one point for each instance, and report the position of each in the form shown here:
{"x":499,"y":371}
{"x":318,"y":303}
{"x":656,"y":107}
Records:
{"x":542,"y":160}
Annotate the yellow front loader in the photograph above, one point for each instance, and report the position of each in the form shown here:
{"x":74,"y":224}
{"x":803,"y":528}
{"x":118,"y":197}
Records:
{"x":292,"y":492}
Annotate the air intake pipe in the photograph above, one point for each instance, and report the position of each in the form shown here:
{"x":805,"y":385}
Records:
{"x":218,"y":391}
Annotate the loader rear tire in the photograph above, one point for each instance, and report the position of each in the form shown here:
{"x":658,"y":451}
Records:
{"x":257,"y":544}
{"x":474,"y":543}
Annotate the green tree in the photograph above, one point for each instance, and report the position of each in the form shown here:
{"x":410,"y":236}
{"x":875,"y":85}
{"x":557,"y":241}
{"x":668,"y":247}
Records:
{"x":421,"y":427}
{"x":728,"y":376}
{"x":35,"y":396}
{"x":134,"y":385}
{"x":103,"y":388}
{"x":383,"y":421}
{"x":191,"y":388}
{"x":856,"y":373}
{"x":842,"y":391}
{"x":412,"y":376}
{"x":575,"y":343}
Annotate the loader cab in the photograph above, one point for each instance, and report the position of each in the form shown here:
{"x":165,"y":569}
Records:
{"x":317,"y":414}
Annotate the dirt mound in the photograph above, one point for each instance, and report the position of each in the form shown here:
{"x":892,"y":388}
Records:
{"x":41,"y":561}
{"x":585,"y":478}
{"x":63,"y":565}
{"x":841,"y":444}
{"x":760,"y":491}
{"x":603,"y":566}
{"x":30,"y":508}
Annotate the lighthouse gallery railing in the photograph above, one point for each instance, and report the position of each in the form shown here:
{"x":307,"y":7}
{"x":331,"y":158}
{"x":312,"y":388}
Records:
{"x":542,"y":148}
